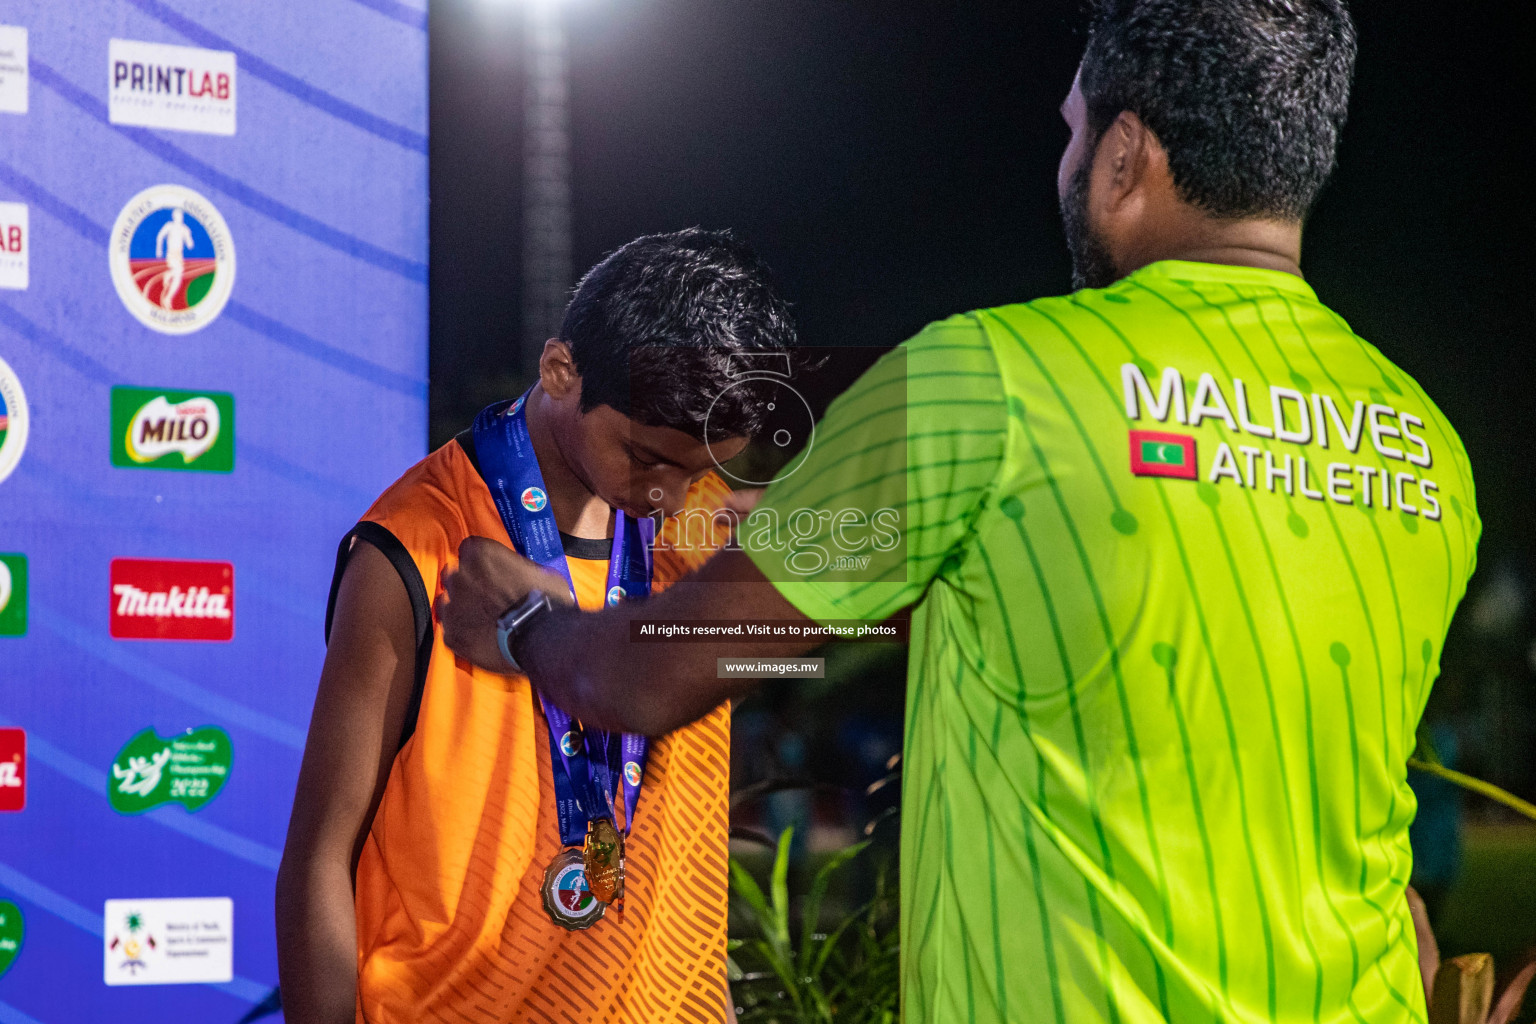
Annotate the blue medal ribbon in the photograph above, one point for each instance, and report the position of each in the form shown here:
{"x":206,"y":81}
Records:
{"x":584,"y":763}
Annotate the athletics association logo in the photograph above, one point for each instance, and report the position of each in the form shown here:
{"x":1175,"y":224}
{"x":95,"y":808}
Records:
{"x":155,"y":429}
{"x":13,"y":246}
{"x":615,"y":595}
{"x":632,"y":772}
{"x":13,"y":595}
{"x":1154,"y":453}
{"x":13,"y":420}
{"x":570,"y":744}
{"x":512,"y":410}
{"x":172,"y":259}
{"x":567,"y":899}
{"x":13,"y":769}
{"x":172,"y":600}
{"x":534,"y":499}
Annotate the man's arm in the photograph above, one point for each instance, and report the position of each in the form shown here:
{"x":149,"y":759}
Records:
{"x":359,"y":713}
{"x":585,"y":662}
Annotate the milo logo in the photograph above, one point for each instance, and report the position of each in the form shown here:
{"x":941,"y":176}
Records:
{"x":159,"y":429}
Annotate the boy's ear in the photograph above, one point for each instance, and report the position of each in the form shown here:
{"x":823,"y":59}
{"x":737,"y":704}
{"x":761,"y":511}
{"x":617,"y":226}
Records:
{"x":557,"y":370}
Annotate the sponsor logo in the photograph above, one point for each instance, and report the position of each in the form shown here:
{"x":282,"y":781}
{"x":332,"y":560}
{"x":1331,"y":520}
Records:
{"x":154,"y":85}
{"x":172,"y":259}
{"x":154,"y":429}
{"x":169,"y":941}
{"x":1154,"y":453}
{"x":12,"y":931}
{"x":172,"y":600}
{"x":570,"y":744}
{"x":13,"y":420}
{"x":189,"y":769}
{"x":13,"y":595}
{"x":13,"y":246}
{"x":13,"y":72}
{"x":534,"y":499}
{"x":13,"y":770}
{"x":615,"y":595}
{"x":632,"y":773}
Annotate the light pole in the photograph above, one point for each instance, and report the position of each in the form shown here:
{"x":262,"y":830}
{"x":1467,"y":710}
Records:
{"x":546,"y":179}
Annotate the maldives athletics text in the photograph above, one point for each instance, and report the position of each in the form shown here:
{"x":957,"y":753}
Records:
{"x":154,"y":599}
{"x":1314,"y":421}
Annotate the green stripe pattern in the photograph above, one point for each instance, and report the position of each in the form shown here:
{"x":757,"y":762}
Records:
{"x":1156,"y":726}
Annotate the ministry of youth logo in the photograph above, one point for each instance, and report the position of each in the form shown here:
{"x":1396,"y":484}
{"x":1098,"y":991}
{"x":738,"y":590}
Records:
{"x":172,"y":258}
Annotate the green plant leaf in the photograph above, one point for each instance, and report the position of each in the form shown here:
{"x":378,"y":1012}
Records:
{"x":810,"y":911}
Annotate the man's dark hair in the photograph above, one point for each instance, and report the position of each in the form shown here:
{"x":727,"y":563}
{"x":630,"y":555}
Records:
{"x":663,"y":327}
{"x":1246,"y":96}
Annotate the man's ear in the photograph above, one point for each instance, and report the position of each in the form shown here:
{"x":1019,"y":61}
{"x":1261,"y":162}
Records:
{"x":1128,"y":156}
{"x":557,"y":370}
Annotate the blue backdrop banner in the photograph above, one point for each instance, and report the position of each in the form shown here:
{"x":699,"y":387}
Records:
{"x":213,"y":310}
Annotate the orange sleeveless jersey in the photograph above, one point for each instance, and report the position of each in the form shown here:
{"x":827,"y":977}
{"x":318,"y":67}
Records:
{"x":450,"y":922}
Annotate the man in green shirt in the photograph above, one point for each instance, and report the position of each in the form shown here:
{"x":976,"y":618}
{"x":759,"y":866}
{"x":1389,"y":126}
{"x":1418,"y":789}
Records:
{"x":1181,"y":552}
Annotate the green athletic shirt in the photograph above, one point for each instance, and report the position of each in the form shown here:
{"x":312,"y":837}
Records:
{"x":1183,"y":552}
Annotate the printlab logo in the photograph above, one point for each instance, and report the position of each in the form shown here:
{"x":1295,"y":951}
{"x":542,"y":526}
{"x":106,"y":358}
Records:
{"x":157,"y":429}
{"x":168,"y":941}
{"x":13,"y":595}
{"x":12,"y":932}
{"x":154,"y":85}
{"x":172,"y":600}
{"x":1154,"y":453}
{"x":13,"y":246}
{"x":189,"y":769}
{"x":172,"y":259}
{"x":13,"y":771}
{"x":13,"y":420}
{"x":13,"y":72}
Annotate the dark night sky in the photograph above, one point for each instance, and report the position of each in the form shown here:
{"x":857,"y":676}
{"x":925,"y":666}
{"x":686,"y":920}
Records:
{"x":895,"y":163}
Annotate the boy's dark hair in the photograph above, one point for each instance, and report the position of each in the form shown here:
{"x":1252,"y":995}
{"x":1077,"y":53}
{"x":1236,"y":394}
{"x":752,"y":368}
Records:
{"x":663,"y":326}
{"x":1247,"y":96}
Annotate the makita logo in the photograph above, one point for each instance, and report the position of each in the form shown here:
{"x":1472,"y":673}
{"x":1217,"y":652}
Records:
{"x":172,"y":600}
{"x":196,"y":603}
{"x":13,"y":769}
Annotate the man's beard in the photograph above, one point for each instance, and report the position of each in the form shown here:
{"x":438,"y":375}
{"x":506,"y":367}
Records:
{"x":1092,"y":266}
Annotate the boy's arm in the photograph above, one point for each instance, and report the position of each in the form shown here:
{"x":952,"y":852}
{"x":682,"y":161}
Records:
{"x":360,"y":707}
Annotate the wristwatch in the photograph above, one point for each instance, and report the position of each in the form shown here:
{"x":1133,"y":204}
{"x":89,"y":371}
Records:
{"x":514,"y":622}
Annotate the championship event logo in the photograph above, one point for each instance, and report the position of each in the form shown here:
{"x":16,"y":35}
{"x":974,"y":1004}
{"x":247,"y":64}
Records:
{"x":172,"y":600}
{"x":13,"y":769}
{"x":158,"y":429}
{"x":189,"y":769}
{"x":12,"y":931}
{"x":13,"y":595}
{"x":13,"y":420}
{"x":172,"y":259}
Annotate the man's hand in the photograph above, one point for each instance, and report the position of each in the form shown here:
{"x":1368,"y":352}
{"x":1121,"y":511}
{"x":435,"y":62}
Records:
{"x":490,"y":579}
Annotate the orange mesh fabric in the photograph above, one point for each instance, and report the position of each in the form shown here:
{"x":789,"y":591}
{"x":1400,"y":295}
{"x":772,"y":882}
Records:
{"x":450,"y":922}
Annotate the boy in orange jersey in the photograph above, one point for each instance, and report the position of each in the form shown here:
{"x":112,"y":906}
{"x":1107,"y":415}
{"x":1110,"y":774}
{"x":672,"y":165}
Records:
{"x":438,"y":865}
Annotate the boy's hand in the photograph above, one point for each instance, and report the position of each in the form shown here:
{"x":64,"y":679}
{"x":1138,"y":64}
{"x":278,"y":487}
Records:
{"x":490,"y":579}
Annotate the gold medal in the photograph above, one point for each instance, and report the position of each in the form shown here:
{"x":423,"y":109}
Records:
{"x":567,"y":898}
{"x":603,"y":858}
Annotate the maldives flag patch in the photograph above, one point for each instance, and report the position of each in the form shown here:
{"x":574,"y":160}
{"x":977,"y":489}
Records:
{"x":1154,"y":453}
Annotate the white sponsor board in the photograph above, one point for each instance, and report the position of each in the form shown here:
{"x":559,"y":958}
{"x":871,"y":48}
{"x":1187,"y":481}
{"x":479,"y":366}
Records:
{"x":15,"y":242}
{"x":183,"y":88}
{"x":169,"y":941}
{"x":13,"y":69}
